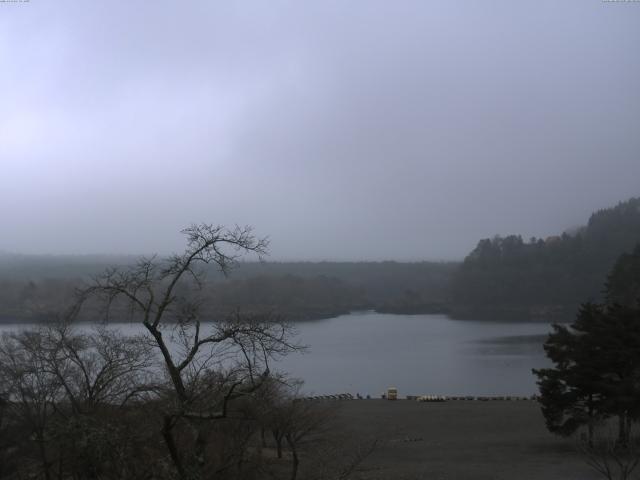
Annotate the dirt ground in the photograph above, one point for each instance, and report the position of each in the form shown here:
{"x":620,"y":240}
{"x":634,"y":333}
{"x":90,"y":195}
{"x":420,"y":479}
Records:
{"x":460,"y":440}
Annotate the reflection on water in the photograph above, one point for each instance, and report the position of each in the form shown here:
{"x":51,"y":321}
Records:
{"x":366,"y":352}
{"x":511,"y":345}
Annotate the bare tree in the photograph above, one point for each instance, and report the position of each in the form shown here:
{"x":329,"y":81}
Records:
{"x":32,"y":393}
{"x":291,"y":420}
{"x":309,"y":435}
{"x":611,"y":458}
{"x":208,"y":365}
{"x":65,"y":393}
{"x":102,"y":367}
{"x":306,"y":420}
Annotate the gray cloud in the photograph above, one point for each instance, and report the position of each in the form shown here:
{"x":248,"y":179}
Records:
{"x":344,"y":130}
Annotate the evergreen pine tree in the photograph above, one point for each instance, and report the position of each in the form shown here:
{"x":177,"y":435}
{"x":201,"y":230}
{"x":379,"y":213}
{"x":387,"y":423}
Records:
{"x":596,"y":373}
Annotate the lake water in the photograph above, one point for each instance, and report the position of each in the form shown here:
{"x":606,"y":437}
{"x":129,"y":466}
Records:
{"x":366,"y":352}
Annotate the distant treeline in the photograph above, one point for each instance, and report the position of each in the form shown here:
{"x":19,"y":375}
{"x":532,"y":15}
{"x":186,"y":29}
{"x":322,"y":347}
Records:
{"x":383,"y":286}
{"x":35,"y":287}
{"x":502,"y":277}
{"x":545,"y":278}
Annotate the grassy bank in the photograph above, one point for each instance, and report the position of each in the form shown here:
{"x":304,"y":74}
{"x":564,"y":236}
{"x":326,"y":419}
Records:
{"x":497,"y":440}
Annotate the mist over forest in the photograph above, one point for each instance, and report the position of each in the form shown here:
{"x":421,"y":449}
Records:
{"x":503,"y":277}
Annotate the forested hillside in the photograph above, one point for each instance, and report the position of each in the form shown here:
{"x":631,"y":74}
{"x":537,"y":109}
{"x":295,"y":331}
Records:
{"x":545,"y":277}
{"x":35,"y":287}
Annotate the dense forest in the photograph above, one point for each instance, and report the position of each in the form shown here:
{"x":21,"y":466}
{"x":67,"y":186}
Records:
{"x":35,"y":287}
{"x":545,"y":277}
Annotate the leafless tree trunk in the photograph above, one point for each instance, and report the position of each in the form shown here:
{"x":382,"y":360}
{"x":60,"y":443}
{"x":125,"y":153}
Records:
{"x":208,"y":366}
{"x":611,"y":459}
{"x":295,"y":461}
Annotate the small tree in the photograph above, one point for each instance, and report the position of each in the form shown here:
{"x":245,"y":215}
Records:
{"x":292,"y":421}
{"x":569,"y":393}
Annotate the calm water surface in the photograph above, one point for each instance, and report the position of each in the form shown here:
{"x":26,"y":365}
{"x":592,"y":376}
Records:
{"x":366,"y":352}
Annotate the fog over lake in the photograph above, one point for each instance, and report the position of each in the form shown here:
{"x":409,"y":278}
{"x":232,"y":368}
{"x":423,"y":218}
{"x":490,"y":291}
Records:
{"x":366,"y":352}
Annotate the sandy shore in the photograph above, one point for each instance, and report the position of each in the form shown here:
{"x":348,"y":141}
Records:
{"x":460,"y":440}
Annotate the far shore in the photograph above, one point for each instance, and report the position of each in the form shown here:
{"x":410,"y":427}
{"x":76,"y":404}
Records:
{"x":493,"y":315}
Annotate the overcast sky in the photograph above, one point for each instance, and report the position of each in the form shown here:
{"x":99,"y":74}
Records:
{"x":343,"y":130}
